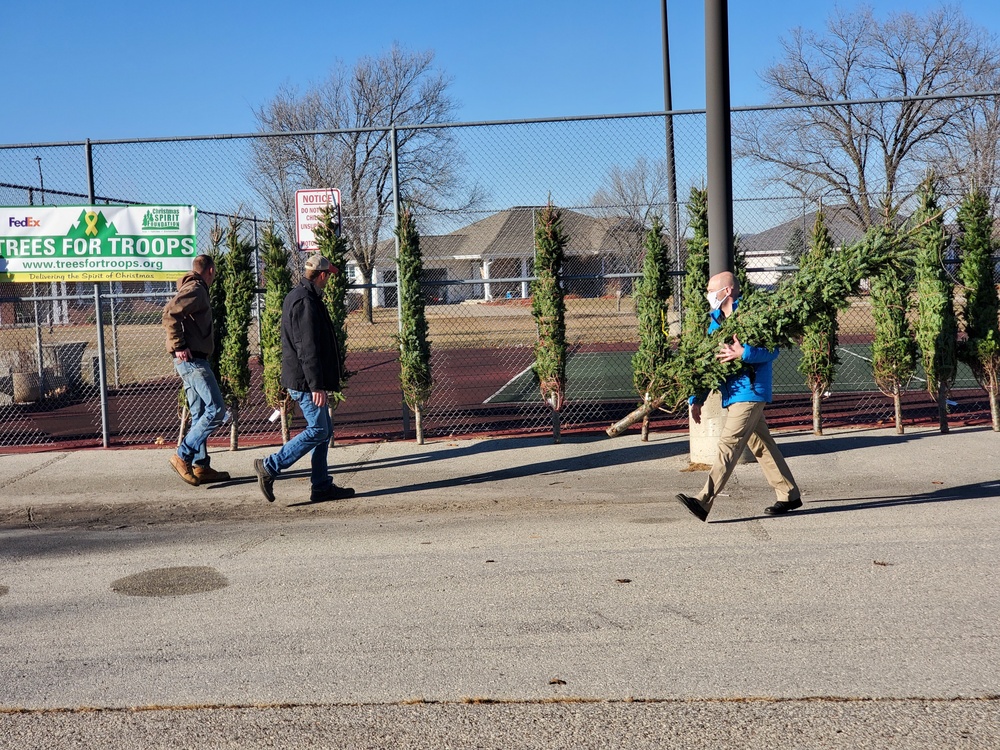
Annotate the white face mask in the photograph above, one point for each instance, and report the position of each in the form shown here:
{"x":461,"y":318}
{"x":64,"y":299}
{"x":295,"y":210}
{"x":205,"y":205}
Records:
{"x":715,"y":300}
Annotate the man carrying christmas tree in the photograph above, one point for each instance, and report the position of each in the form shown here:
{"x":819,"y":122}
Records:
{"x":744,"y":395}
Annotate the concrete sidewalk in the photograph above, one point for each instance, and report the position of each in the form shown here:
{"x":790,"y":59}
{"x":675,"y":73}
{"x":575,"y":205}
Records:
{"x":506,"y":593}
{"x":839,"y":471}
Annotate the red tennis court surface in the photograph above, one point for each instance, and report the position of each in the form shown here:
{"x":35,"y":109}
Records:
{"x":146,"y":414}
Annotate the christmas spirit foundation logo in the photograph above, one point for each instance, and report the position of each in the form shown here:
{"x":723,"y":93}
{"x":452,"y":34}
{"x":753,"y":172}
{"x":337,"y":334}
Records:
{"x":162,"y":220}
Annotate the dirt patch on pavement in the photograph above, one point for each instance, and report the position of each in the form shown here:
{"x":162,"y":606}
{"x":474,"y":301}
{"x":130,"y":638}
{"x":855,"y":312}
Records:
{"x":143,"y":514}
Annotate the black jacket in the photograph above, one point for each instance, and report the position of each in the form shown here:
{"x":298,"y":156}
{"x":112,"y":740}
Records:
{"x":310,"y":357}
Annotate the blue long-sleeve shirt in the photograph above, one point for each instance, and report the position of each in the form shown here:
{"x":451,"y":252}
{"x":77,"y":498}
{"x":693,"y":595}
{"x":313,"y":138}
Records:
{"x":753,"y":381}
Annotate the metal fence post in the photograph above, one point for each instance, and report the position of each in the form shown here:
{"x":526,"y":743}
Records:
{"x":114,"y":330}
{"x":395,"y":227}
{"x":102,"y":364}
{"x":257,"y":292}
{"x":668,"y":105}
{"x":38,"y":345}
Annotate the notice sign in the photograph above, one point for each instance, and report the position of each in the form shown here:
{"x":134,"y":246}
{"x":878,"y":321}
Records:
{"x":308,"y":205}
{"x":96,"y":243}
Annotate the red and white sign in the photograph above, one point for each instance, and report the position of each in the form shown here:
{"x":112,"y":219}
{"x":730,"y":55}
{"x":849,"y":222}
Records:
{"x":308,"y":205}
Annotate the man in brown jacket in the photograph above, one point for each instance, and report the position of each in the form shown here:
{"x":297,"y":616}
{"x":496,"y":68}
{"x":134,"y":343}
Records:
{"x":187,"y":319}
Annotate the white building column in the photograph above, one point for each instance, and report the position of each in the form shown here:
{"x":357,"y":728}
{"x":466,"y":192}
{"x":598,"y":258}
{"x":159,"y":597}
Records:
{"x":487,"y":294}
{"x":525,"y":291}
{"x":378,"y":293}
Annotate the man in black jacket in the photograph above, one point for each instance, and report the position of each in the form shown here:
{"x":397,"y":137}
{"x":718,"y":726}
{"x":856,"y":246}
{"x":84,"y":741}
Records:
{"x":310,"y":366}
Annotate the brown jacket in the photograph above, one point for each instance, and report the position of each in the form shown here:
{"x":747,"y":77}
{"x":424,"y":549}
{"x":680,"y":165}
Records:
{"x":187,"y":318}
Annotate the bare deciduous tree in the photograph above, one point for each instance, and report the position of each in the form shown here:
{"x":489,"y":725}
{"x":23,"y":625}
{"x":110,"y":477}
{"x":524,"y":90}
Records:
{"x":638,"y":192}
{"x":340,"y":136}
{"x":632,"y":200}
{"x":972,"y":162}
{"x":861,"y":152}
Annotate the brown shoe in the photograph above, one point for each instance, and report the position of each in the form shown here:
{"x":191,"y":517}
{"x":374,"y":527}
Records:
{"x":207,"y":474}
{"x":183,"y":468}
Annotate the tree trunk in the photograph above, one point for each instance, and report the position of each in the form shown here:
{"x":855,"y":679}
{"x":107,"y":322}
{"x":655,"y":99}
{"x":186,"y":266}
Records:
{"x":366,"y":297}
{"x":286,"y":422}
{"x":418,"y":418}
{"x":185,"y":418}
{"x":234,"y":428}
{"x":942,"y":403}
{"x":897,"y":401}
{"x":555,"y":426}
{"x":632,"y":417}
{"x":645,"y":422}
{"x":818,"y":412}
{"x":995,"y":409}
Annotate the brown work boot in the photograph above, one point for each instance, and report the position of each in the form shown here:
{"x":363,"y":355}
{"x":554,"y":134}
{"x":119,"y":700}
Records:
{"x":183,"y":468}
{"x":207,"y":474}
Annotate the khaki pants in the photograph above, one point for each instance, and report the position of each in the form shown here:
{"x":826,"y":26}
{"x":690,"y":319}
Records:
{"x":745,"y":427}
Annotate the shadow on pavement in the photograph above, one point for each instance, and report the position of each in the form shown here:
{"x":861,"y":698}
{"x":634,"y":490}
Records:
{"x":489,"y":450}
{"x":616,"y":457}
{"x":823,"y":444}
{"x":975,"y":491}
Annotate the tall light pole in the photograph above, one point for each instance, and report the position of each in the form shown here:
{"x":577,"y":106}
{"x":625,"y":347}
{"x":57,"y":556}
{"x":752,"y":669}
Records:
{"x":41,"y":182}
{"x":719,"y":140}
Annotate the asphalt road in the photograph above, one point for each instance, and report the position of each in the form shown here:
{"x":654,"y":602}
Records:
{"x":505,"y":593}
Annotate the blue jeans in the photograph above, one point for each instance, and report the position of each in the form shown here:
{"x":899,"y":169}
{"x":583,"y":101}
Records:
{"x":315,"y":437}
{"x":206,"y":405}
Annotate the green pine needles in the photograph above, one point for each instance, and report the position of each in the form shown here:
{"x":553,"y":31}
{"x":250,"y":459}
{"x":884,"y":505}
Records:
{"x":937,"y":325}
{"x":747,"y":288}
{"x":693,"y":302}
{"x":277,"y":285}
{"x":333,"y":247}
{"x":778,"y":319}
{"x":414,"y":348}
{"x":549,"y":310}
{"x":217,"y":297}
{"x":981,"y":349}
{"x":239,"y":286}
{"x":652,"y":307}
{"x":893,"y":349}
{"x":695,"y":343}
{"x":773,"y":319}
{"x":820,"y":333}
{"x":795,"y":248}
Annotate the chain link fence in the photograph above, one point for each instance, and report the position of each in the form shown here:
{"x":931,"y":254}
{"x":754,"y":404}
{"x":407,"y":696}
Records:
{"x":59,"y":341}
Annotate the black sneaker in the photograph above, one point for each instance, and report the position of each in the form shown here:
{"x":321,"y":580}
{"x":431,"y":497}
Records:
{"x":264,"y":479}
{"x":692,"y":504}
{"x":333,"y":492}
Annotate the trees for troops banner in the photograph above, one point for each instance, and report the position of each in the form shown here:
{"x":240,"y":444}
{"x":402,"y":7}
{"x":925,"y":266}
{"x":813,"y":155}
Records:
{"x":96,"y":243}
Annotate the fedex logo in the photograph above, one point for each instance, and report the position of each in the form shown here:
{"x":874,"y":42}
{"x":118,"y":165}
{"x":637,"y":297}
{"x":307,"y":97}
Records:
{"x":27,"y":221}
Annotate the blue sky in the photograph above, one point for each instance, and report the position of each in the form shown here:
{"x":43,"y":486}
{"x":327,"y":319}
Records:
{"x":118,"y":69}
